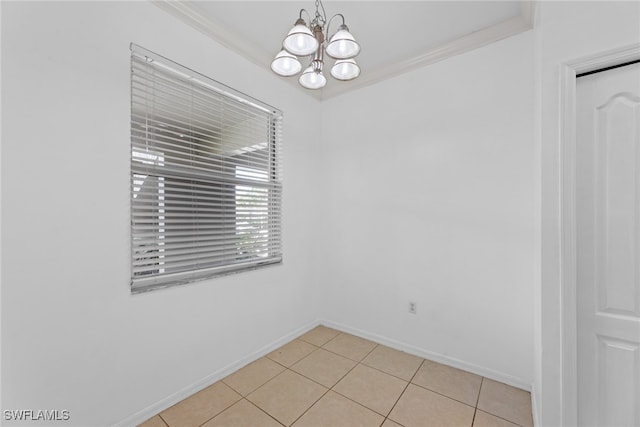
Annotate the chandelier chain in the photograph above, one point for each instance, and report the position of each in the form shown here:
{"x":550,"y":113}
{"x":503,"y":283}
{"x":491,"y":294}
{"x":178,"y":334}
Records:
{"x":320,"y":18}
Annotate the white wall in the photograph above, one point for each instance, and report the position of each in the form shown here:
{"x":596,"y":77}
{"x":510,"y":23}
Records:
{"x":435,"y":183}
{"x":566,"y":31}
{"x":430,"y":199}
{"x":73,"y":337}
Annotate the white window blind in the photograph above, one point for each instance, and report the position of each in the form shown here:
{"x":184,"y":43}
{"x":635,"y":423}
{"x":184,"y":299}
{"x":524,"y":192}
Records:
{"x":205,"y":178}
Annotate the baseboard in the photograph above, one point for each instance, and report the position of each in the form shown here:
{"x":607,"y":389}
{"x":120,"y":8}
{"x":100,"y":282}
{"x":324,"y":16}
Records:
{"x":182,"y":394}
{"x":436,"y":357}
{"x":534,"y":406}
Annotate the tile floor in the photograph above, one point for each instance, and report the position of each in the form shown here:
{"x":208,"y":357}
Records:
{"x":329,"y":378}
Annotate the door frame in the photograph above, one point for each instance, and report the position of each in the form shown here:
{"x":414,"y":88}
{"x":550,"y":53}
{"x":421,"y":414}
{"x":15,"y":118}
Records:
{"x":569,"y":322}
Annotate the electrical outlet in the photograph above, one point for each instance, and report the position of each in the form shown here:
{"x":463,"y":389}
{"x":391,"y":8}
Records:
{"x":413,"y":307}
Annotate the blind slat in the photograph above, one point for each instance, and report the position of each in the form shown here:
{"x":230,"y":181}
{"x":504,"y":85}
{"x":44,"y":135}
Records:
{"x":186,"y":239}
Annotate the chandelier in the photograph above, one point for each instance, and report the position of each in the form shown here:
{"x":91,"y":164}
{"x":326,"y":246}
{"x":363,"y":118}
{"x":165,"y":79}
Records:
{"x":308,"y":39}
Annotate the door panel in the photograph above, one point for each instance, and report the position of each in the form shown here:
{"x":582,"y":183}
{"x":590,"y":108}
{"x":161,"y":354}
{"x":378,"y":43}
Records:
{"x":618,"y":370}
{"x":617,"y":204}
{"x":608,"y":247}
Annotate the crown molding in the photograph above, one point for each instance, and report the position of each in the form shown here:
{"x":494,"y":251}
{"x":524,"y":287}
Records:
{"x":235,"y":42}
{"x":502,"y":30}
{"x":212,"y":28}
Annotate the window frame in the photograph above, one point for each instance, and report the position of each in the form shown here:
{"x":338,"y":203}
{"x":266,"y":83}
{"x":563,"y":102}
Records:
{"x":264,"y":243}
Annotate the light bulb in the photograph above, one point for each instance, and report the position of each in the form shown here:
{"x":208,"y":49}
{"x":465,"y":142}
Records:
{"x":311,"y":79}
{"x":343,"y":45}
{"x":300,"y":41}
{"x":345,"y":69}
{"x":285,"y":64}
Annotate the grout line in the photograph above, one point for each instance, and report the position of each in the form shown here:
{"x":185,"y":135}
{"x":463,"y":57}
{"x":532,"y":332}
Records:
{"x":266,"y":382}
{"x":311,"y":379}
{"x":394,"y":376}
{"x":341,"y":378}
{"x":479,"y":391}
{"x":232,"y":404}
{"x":296,"y":373}
{"x":310,"y":406}
{"x":275,"y":361}
{"x":304,"y":358}
{"x":475,"y":412}
{"x":502,"y":418}
{"x":295,"y":339}
{"x":342,"y":355}
{"x":372,"y":410}
{"x":416,"y":372}
{"x":360,"y":362}
{"x":370,"y":351}
{"x":353,"y":401}
{"x":288,"y":368}
{"x":345,"y":333}
{"x":405,"y":389}
{"x":259,"y":408}
{"x":348,"y":372}
{"x":327,"y":387}
{"x":443,"y":395}
{"x":395,"y":422}
{"x":360,"y":404}
{"x":302,"y":339}
{"x":163,"y":420}
{"x":231,"y":387}
{"x":284,"y":368}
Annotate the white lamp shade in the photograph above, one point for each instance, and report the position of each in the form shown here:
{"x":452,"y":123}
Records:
{"x":343,"y":45}
{"x":345,"y":69}
{"x":285,"y":64}
{"x":300,"y":41}
{"x":312,"y":80}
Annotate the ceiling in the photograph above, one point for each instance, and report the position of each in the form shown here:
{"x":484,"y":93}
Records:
{"x":395,"y":36}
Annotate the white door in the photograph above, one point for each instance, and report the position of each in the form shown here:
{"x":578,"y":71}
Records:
{"x":608,"y":247}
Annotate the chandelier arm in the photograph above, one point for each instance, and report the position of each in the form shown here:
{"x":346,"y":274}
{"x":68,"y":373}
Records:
{"x":326,"y":37}
{"x":308,"y":15}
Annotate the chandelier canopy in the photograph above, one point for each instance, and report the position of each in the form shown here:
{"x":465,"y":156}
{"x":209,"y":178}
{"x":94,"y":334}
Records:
{"x":308,"y":39}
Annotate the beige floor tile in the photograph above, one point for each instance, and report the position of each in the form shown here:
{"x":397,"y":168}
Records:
{"x":201,"y":406}
{"x":455,"y":383}
{"x":153,"y":422}
{"x":362,"y":394}
{"x":504,"y":401}
{"x":287,"y":396}
{"x":394,"y":362}
{"x":252,"y":376}
{"x":334,"y":410}
{"x":242,"y":414}
{"x":324,"y":367}
{"x":319,"y":335}
{"x":419,"y":407}
{"x":374,"y":389}
{"x":355,"y":348}
{"x":290,"y":353}
{"x":482,"y":419}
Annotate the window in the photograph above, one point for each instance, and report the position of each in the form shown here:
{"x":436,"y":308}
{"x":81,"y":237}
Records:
{"x":205,"y":179}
